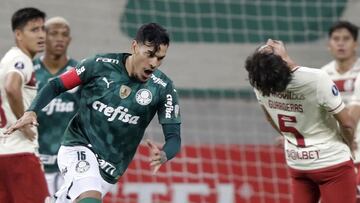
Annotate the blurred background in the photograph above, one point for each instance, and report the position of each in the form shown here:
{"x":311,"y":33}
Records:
{"x":228,"y":152}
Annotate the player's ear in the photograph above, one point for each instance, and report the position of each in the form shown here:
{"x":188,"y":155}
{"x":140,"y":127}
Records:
{"x":134,"y":47}
{"x":18,"y":34}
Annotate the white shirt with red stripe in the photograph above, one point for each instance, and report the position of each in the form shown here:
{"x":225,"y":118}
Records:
{"x":346,"y":85}
{"x":303,"y":113}
{"x":16,"y":61}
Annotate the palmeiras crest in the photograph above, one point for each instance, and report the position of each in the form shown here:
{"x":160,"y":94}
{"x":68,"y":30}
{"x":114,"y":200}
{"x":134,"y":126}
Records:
{"x":124,"y":91}
{"x":143,"y":97}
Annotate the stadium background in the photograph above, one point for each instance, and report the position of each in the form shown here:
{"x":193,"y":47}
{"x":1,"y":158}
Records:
{"x":228,"y":152}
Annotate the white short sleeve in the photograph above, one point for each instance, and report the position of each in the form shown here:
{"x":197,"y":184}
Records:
{"x":23,"y":65}
{"x":328,"y":94}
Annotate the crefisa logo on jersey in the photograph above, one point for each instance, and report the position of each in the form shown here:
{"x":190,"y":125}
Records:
{"x":169,"y":106}
{"x":335,"y":90}
{"x":143,"y":97}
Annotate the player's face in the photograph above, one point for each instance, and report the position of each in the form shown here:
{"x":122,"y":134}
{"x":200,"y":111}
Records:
{"x":342,"y":45}
{"x":57,"y":39}
{"x":146,"y":61}
{"x":31,"y":37}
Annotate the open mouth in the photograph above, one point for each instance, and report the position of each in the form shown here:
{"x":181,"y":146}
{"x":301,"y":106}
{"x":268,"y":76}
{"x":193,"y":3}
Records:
{"x":148,"y":72}
{"x":59,"y":46}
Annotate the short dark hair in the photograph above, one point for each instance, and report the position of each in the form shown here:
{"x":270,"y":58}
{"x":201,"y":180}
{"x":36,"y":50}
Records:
{"x":22,"y":16}
{"x":353,"y":29}
{"x":152,"y":34}
{"x":268,"y":72}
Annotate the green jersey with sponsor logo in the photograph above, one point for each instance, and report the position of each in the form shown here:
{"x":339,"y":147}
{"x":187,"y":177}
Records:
{"x":115,"y":110}
{"x":55,"y":117}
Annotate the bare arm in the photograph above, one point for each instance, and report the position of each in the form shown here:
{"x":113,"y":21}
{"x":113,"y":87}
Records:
{"x":13,"y":83}
{"x":354,"y":111}
{"x":347,"y":126}
{"x":46,"y":94}
{"x":13,"y":86}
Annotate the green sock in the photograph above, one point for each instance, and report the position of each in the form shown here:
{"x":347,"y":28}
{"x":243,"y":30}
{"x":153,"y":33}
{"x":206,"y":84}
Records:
{"x":90,"y":200}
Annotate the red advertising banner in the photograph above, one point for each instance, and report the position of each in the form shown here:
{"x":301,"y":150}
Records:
{"x":208,"y":174}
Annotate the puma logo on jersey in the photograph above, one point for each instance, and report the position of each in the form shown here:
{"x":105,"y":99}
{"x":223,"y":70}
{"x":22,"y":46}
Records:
{"x":107,"y":82}
{"x":120,"y":112}
{"x":57,"y":105}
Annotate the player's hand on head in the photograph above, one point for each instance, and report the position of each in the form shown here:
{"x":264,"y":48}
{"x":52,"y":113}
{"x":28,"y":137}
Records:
{"x":26,"y":121}
{"x":157,"y":156}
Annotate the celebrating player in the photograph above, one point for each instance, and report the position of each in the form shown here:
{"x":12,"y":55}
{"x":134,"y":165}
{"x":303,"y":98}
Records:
{"x":20,"y":168}
{"x":54,"y":118}
{"x":120,"y":95}
{"x":305,"y":106}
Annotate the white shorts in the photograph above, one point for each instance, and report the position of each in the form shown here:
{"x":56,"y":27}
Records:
{"x":80,"y":169}
{"x":54,"y":181}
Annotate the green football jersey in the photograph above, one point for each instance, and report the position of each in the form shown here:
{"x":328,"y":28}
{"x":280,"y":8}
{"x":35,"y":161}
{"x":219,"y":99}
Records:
{"x":54,"y":118}
{"x":115,"y":110}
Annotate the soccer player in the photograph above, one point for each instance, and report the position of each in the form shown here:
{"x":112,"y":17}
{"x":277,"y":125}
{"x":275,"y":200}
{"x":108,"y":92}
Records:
{"x":20,"y":167}
{"x":305,"y":106}
{"x":61,"y":109}
{"x":120,"y":94}
{"x":344,"y":69}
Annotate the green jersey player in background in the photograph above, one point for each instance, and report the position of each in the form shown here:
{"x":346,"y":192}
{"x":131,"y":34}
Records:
{"x":54,"y":118}
{"x":120,"y":94}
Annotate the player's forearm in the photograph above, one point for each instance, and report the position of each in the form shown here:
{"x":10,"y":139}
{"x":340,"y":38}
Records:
{"x":16,"y":102}
{"x":348,"y":132}
{"x":13,"y":89}
{"x":172,"y":140}
{"x":347,"y":126}
{"x":52,"y":89}
{"x":354,"y":111}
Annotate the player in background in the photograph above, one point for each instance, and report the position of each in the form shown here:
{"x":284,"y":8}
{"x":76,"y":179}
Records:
{"x":20,"y":167}
{"x":54,"y":118}
{"x":305,"y":106}
{"x":344,"y":69}
{"x":120,"y":95}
